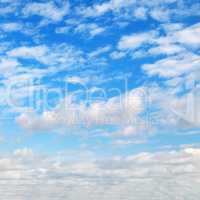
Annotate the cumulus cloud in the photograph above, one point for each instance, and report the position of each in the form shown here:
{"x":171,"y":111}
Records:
{"x":140,"y":112}
{"x":114,"y":111}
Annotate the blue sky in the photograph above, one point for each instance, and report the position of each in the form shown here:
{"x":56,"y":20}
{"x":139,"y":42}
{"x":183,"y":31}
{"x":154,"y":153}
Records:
{"x":102,"y":81}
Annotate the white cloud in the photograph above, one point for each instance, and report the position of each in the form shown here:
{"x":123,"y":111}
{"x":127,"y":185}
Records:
{"x":189,"y":36}
{"x":135,"y":40}
{"x":171,"y":27}
{"x":166,"y":49}
{"x":178,"y":34}
{"x":48,"y":10}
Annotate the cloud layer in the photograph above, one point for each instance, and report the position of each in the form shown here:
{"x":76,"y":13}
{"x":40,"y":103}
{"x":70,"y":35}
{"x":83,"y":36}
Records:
{"x":141,"y":176}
